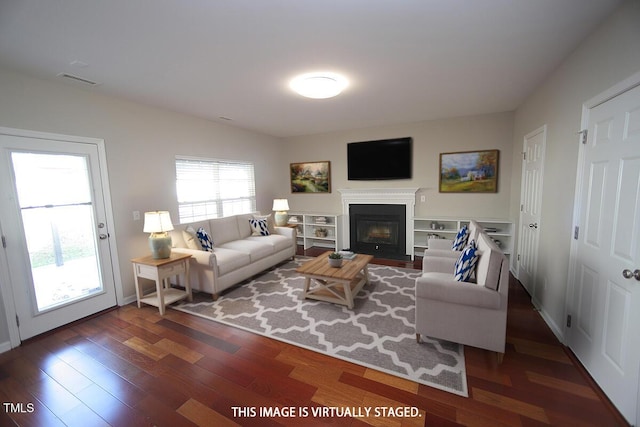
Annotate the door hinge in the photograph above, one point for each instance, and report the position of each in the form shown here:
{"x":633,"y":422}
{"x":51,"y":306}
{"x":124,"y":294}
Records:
{"x":583,"y":138}
{"x":4,"y":242}
{"x":521,"y":208}
{"x":518,"y":257}
{"x":576,"y":232}
{"x":568,"y":320}
{"x":17,"y":321}
{"x":524,"y":155}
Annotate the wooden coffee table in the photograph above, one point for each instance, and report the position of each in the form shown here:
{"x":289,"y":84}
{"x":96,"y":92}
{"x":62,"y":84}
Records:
{"x":335,"y":284}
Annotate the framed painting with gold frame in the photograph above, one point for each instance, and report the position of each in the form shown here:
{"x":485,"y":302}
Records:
{"x":310,"y":177}
{"x":469,"y":172}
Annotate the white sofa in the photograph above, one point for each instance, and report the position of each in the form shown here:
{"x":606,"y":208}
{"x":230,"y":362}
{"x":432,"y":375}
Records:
{"x":237,"y":253}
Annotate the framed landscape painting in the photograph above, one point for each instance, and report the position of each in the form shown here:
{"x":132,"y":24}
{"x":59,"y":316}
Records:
{"x":310,"y":177}
{"x":469,"y":172}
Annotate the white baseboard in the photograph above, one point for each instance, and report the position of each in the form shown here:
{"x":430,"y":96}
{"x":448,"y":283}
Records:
{"x":557,"y":331}
{"x":128,"y":300}
{"x":5,"y":346}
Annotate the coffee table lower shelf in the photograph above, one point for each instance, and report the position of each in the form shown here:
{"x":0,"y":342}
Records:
{"x":337,"y":292}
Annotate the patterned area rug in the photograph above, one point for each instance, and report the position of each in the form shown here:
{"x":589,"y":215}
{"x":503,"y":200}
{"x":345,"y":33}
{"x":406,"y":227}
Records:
{"x":377,"y":333}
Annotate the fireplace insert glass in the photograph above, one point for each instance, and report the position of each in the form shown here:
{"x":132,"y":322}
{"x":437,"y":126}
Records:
{"x":376,"y":231}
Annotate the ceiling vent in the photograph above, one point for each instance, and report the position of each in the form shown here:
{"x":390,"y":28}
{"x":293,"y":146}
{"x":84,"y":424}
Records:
{"x":77,"y":79}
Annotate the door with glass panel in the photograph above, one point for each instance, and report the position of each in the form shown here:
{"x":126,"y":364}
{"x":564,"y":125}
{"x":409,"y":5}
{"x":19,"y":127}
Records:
{"x":56,"y":236}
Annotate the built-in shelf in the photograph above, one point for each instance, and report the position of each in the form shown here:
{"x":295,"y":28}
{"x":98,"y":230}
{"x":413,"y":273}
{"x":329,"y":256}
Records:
{"x":501,"y":231}
{"x":318,"y":229}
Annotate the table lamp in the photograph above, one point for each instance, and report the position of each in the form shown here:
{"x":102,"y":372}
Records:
{"x":281,"y":206}
{"x":158,"y":223}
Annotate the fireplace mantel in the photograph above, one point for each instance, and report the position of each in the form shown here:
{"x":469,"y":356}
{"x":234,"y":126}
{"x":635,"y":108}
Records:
{"x":382,"y":196}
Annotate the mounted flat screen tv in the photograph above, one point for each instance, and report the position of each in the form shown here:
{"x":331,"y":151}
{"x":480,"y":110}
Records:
{"x":378,"y":160}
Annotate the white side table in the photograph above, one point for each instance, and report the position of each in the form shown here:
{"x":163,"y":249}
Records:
{"x":160,"y":270}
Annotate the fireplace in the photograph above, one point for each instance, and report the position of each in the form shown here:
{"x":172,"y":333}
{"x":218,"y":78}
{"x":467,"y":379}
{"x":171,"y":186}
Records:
{"x":378,"y":229}
{"x":405,"y":197}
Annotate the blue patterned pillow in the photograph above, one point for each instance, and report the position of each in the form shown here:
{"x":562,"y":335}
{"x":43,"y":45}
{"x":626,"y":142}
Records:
{"x":259,"y":227}
{"x":205,"y":240}
{"x":461,"y":239}
{"x":466,"y":264}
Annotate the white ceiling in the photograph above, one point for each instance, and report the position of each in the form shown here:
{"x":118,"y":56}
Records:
{"x":407,"y":60}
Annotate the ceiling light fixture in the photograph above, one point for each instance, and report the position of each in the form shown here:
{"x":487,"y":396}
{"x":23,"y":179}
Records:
{"x":319,"y":85}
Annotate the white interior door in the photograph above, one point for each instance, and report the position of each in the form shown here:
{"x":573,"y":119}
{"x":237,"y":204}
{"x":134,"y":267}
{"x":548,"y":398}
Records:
{"x":55,"y":231}
{"x":530,"y":205}
{"x":604,"y":297}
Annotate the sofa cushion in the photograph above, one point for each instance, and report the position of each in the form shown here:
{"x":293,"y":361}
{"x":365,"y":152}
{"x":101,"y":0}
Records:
{"x":466,"y":263}
{"x":229,"y":260}
{"x":440,"y":264}
{"x":259,"y":227}
{"x":277,"y":241}
{"x":461,"y":239}
{"x":224,"y":229}
{"x":191,"y":239}
{"x":271,"y":223}
{"x":205,"y":239}
{"x":440,"y":244}
{"x":442,"y":287}
{"x":489,"y":263}
{"x":255,"y":249}
{"x":244,"y":228}
{"x":178,"y":237}
{"x":445,"y":253}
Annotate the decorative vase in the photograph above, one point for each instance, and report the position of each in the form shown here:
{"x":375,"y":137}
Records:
{"x":281,"y":218}
{"x":335,"y":262}
{"x":160,"y":245}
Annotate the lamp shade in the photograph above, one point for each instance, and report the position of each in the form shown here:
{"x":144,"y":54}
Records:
{"x":280,"y":205}
{"x":157,"y":222}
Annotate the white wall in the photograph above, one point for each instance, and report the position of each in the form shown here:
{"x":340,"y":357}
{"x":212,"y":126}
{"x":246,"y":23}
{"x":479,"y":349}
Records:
{"x":430,"y":138}
{"x":609,"y":55}
{"x":141,"y":145}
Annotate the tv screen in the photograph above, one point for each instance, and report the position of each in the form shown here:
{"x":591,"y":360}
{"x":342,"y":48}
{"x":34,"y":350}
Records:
{"x":377,"y":160}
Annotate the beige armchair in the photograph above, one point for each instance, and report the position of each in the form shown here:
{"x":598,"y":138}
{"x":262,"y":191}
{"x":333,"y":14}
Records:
{"x":470,"y":313}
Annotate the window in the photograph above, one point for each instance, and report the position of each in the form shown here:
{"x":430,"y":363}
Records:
{"x":214,"y":188}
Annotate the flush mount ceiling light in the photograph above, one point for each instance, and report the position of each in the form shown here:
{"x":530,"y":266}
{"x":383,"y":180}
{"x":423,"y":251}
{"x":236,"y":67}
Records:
{"x":319,"y":85}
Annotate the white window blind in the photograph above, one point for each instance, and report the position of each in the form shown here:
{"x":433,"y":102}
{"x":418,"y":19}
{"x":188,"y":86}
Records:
{"x":214,"y":188}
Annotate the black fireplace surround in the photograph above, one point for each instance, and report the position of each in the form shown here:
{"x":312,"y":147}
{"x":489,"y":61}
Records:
{"x":379,"y":230}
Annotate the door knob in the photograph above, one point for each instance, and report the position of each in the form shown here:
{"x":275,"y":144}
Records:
{"x":534,"y":225}
{"x":103,"y":236}
{"x":628,"y":274}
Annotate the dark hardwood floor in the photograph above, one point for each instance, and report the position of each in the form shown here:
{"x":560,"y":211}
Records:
{"x":132,"y":367}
